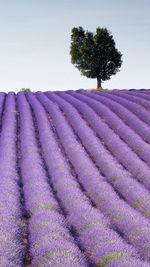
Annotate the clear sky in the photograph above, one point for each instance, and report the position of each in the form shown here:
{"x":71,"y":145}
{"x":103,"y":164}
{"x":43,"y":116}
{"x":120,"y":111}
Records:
{"x":35,"y":42}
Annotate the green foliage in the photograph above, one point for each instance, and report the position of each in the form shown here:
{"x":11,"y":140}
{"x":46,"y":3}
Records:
{"x":25,"y":90}
{"x":95,"y":55}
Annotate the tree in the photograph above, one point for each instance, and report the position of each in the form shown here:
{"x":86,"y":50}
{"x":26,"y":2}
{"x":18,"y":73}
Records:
{"x":95,"y":55}
{"x":25,"y":90}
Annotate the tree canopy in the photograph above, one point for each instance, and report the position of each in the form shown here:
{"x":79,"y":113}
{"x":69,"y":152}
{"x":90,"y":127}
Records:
{"x":95,"y":55}
{"x":25,"y":90}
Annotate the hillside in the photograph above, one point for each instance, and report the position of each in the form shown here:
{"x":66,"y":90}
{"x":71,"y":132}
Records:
{"x":75,"y":179}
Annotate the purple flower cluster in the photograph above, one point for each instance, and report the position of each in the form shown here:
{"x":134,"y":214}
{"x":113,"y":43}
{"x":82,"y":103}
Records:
{"x":102,"y":245}
{"x":50,"y":241}
{"x":11,"y":248}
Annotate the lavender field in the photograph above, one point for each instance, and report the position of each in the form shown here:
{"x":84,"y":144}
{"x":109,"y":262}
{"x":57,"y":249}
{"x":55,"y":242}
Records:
{"x":75,"y":179}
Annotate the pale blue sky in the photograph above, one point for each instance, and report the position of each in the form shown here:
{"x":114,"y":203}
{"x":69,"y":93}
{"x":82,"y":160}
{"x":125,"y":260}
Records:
{"x":35,"y":42}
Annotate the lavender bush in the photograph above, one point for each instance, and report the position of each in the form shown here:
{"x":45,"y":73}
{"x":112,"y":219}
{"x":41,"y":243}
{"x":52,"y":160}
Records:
{"x":11,"y":248}
{"x":50,"y":241}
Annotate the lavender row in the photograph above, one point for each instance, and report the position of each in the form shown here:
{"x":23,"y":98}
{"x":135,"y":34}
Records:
{"x":145,"y":92}
{"x":2,"y":100}
{"x":95,"y":185}
{"x":127,"y":116}
{"x":141,"y":148}
{"x":91,"y":227}
{"x":133,"y":102}
{"x":143,"y":96}
{"x":136,"y":93}
{"x":118,"y":148}
{"x":50,"y":241}
{"x":138,"y":110}
{"x":133,"y":98}
{"x":11,"y":249}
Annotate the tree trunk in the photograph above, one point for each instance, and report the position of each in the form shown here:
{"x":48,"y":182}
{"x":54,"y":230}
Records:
{"x":99,"y":83}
